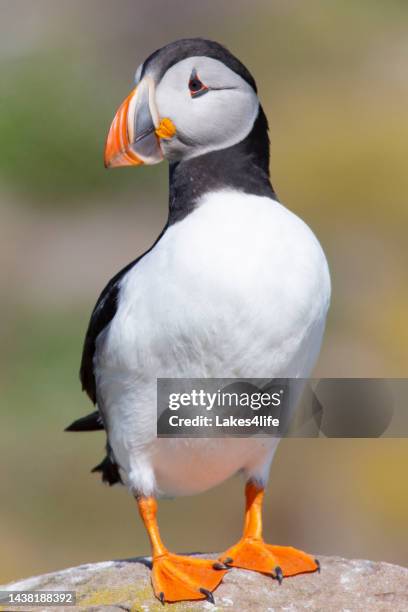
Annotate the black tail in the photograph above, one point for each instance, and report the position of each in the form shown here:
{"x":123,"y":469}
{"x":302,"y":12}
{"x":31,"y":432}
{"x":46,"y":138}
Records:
{"x":90,"y":422}
{"x":109,"y":470}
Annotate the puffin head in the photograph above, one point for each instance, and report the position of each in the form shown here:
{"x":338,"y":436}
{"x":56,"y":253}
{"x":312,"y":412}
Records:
{"x":191,"y":97}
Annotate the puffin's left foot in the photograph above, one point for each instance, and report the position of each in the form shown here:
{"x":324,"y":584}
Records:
{"x":178,"y":577}
{"x":278,"y":561}
{"x":181,"y":578}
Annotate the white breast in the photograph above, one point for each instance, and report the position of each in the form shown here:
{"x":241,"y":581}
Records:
{"x":239,"y":288}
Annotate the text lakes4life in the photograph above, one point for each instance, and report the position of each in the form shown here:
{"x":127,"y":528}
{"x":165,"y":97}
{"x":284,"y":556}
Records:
{"x":230,"y":421}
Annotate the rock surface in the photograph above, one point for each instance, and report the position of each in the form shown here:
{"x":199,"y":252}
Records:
{"x":343,"y":585}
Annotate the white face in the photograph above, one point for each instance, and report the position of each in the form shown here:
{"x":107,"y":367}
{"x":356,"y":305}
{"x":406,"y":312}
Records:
{"x":219,"y":115}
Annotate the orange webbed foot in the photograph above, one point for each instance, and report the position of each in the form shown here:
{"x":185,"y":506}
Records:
{"x":279,"y":561}
{"x":253,"y":553}
{"x":181,"y":578}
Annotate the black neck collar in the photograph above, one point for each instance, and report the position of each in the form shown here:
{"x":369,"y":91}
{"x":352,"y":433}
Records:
{"x":244,"y":167}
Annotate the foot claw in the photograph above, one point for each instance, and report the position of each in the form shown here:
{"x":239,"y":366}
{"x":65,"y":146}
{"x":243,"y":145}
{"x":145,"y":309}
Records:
{"x":318,"y":565}
{"x":220,"y":566}
{"x":278,"y":574}
{"x":208,"y":595}
{"x":161,"y":597}
{"x":228,"y":560}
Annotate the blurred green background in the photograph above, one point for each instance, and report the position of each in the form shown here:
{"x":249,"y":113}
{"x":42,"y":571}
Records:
{"x":333,"y":80}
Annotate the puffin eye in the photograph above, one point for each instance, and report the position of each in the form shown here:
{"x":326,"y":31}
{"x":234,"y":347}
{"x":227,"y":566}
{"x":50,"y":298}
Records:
{"x":196,"y":87}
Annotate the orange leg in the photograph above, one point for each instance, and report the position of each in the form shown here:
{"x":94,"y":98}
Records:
{"x":253,"y":553}
{"x":176,"y":577}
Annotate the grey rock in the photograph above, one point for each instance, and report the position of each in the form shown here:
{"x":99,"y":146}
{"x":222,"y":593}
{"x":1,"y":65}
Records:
{"x":343,"y":585}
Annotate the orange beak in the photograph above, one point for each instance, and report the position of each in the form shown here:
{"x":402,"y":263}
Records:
{"x":135,"y":133}
{"x":118,"y":151}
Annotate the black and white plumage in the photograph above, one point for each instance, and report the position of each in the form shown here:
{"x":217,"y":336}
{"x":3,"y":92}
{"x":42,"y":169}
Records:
{"x":235,"y":286}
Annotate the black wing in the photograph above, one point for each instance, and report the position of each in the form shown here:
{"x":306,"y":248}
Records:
{"x":101,"y":316}
{"x":90,"y":422}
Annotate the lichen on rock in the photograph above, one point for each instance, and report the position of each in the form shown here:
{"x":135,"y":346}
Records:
{"x":125,"y":585}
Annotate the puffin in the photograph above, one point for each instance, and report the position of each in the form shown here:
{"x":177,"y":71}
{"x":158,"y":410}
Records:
{"x":235,"y":286}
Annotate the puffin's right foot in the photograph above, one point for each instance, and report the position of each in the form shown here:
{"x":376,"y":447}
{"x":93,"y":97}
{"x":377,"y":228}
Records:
{"x":253,"y":553}
{"x":180,"y":578}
